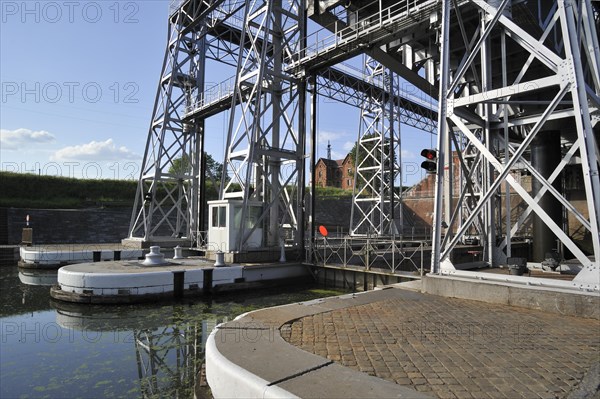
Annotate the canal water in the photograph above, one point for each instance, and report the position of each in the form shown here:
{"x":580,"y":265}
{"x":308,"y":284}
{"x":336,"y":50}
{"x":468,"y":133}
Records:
{"x":59,"y":350}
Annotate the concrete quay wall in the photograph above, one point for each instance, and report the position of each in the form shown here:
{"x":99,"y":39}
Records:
{"x":74,"y":226}
{"x":111,"y":225}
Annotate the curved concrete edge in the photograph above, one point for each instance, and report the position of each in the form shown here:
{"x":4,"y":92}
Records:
{"x":228,"y":380}
{"x":47,"y":256}
{"x":247,"y":357}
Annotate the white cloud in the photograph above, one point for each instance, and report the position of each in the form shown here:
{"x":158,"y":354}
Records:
{"x":19,"y":138}
{"x":94,"y":151}
{"x":407,"y":154}
{"x":324,"y":136}
{"x":348,"y":145}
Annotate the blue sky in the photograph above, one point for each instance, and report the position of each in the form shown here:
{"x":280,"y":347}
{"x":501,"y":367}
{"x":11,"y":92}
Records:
{"x":78,"y":85}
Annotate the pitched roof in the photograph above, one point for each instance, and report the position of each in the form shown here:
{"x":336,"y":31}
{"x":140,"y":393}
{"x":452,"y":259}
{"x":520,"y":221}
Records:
{"x":329,"y":162}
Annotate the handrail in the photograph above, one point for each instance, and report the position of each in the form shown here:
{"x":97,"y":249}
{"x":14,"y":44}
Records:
{"x":350,"y":33}
{"x":213,"y":94}
{"x":174,"y":5}
{"x":368,"y":252}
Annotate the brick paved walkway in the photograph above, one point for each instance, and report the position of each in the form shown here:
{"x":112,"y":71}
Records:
{"x":454,"y":348}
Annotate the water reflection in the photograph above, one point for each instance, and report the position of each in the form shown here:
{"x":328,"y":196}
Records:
{"x":168,"y":341}
{"x":38,"y":277}
{"x":57,"y":349}
{"x":17,"y":297}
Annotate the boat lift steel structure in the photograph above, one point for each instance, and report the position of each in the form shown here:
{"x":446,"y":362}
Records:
{"x":506,"y":115}
{"x":261,"y":165}
{"x":487,"y":112}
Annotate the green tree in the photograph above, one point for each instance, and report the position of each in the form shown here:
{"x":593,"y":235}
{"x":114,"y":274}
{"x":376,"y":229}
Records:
{"x":183,"y":165}
{"x":180,"y":166}
{"x":214,"y":168}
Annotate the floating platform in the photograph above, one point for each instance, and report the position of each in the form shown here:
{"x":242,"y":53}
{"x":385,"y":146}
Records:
{"x":130,"y":281}
{"x":55,"y":256}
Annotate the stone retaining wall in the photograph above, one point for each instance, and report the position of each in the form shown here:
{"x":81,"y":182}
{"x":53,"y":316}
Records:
{"x":81,"y":226}
{"x":76,"y":226}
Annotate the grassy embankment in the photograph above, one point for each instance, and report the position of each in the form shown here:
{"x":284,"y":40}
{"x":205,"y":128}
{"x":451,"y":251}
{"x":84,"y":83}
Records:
{"x":21,"y":190}
{"x":32,"y":191}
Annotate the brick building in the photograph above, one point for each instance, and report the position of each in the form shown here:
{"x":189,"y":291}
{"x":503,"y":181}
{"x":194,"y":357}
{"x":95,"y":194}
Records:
{"x":335,"y":173}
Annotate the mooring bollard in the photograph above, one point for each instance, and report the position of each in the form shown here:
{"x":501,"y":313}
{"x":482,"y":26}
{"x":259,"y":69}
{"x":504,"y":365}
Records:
{"x":117,"y":255}
{"x":282,"y":254}
{"x":220,"y":259}
{"x":178,"y":252}
{"x":154,"y":258}
{"x":96,"y":256}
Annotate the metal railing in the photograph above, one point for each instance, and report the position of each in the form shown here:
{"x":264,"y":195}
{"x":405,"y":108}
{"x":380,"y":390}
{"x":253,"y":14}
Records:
{"x":390,"y":255}
{"x":319,"y":46}
{"x":213,"y":95}
{"x":202,"y":240}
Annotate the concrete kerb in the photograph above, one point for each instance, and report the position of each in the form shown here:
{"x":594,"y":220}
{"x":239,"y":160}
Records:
{"x":229,"y":380}
{"x":247,"y":357}
{"x":551,"y":300}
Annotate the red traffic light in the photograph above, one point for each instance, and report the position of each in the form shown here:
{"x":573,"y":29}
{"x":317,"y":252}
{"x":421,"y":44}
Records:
{"x":429,"y":154}
{"x":431,"y":164}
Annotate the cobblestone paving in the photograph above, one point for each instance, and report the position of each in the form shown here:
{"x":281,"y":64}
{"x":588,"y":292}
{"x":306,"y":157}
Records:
{"x":454,"y":348}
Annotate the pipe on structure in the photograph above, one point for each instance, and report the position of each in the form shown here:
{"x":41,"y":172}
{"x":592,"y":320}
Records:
{"x":545,"y":157}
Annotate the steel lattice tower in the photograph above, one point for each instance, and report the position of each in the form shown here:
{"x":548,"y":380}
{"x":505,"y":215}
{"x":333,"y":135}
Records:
{"x":264,"y":158}
{"x":166,"y":203}
{"x":376,"y":203}
{"x":514,"y":87}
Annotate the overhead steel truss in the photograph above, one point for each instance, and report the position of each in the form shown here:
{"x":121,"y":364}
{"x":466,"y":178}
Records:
{"x":347,"y":85}
{"x":518,"y":82}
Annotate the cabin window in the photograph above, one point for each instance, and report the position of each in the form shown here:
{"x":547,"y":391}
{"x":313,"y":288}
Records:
{"x":219,"y":216}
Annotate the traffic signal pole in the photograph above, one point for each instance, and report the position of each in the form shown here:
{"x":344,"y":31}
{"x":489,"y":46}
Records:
{"x":441,"y":138}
